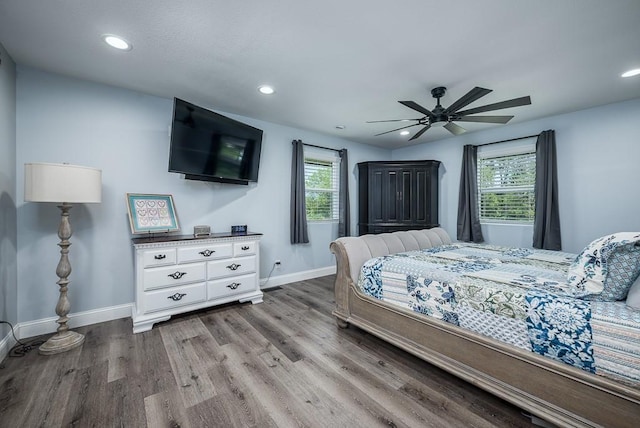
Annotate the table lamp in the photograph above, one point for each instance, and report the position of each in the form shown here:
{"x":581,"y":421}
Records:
{"x":65,"y":184}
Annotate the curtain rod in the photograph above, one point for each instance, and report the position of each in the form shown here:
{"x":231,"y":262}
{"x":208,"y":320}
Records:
{"x":506,"y":141}
{"x":319,"y":147}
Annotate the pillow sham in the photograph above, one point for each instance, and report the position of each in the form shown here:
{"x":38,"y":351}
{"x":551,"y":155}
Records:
{"x":606,"y":268}
{"x":633,"y":297}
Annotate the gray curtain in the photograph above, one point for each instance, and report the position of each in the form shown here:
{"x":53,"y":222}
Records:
{"x":299,"y":233}
{"x":468,"y":217}
{"x":546,"y":224}
{"x":344,"y":217}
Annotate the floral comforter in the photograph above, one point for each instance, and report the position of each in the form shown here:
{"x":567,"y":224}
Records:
{"x":516,"y":295}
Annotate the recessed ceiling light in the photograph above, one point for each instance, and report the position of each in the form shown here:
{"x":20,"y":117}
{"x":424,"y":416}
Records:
{"x":266,"y":90}
{"x":630,"y":73}
{"x":117,"y":42}
{"x":340,"y":126}
{"x":405,"y":132}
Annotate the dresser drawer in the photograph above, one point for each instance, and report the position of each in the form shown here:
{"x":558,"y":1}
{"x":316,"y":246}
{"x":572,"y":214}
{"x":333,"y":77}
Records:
{"x":168,"y":298}
{"x":166,"y":256}
{"x":173,"y":275}
{"x":230,"y":286}
{"x":204,"y":252}
{"x":228,"y":267}
{"x":244,"y":248}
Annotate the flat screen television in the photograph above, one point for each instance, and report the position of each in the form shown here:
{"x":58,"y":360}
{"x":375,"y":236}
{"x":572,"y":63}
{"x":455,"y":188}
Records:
{"x":208,"y":146}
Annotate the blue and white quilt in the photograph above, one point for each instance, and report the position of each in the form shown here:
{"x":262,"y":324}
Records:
{"x":516,"y":295}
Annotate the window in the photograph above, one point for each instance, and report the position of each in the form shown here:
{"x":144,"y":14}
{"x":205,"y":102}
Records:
{"x":321,"y":180}
{"x":506,"y":179}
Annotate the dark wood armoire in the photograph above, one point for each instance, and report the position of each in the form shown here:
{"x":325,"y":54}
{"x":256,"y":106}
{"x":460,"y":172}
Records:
{"x":397,"y":195}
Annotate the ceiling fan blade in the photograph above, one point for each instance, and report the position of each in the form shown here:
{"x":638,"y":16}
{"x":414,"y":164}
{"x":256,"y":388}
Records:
{"x":391,"y":120}
{"x":420,"y":132}
{"x":455,"y":129}
{"x":467,"y":99}
{"x":516,"y":102}
{"x":484,"y":119}
{"x":397,"y":129}
{"x":416,"y":107}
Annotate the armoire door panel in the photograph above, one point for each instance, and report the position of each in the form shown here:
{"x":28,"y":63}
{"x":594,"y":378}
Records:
{"x":421,"y":194}
{"x":376,"y":201}
{"x":390,"y":196}
{"x":406,"y":196}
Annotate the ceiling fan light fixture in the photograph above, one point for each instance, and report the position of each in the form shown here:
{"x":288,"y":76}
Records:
{"x":117,"y":42}
{"x":266,"y":89}
{"x":631,"y":73}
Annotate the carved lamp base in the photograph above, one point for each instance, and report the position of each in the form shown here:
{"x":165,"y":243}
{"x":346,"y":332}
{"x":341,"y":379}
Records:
{"x":61,"y":342}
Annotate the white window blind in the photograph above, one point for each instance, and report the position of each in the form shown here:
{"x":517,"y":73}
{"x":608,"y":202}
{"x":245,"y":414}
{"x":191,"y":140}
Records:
{"x":321,"y":179}
{"x":506,"y":186}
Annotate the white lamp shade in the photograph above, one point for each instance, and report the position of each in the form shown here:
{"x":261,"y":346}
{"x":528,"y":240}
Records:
{"x":56,"y":182}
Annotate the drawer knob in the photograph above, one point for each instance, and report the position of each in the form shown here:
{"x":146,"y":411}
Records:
{"x":160,"y":256}
{"x":234,"y":285}
{"x":233,"y":266}
{"x":177,"y":296}
{"x":245,"y":247}
{"x":207,"y":253}
{"x":177,"y":275}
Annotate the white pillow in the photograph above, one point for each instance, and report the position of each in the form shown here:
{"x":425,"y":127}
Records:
{"x":606,"y":268}
{"x":633,"y":297}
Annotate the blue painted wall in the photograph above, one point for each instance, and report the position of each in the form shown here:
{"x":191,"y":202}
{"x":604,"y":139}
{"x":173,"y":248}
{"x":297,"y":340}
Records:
{"x":8,"y":238}
{"x":126,"y":134}
{"x":598,"y":153}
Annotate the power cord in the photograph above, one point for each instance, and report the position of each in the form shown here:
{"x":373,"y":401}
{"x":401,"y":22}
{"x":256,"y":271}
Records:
{"x":20,"y":349}
{"x":275,"y":264}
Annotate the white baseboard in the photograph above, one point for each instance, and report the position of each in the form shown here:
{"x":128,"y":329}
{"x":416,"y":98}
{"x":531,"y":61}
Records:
{"x":78,"y":319}
{"x":6,"y":344}
{"x":275,"y":281}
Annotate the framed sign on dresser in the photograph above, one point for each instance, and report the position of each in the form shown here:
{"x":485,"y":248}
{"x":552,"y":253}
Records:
{"x":181,"y":273}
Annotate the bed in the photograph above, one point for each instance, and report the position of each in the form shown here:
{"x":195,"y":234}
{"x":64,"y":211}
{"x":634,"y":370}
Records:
{"x":441,"y":320}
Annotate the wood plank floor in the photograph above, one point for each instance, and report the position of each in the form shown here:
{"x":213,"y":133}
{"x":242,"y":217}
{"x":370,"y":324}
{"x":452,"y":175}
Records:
{"x":280,"y":363}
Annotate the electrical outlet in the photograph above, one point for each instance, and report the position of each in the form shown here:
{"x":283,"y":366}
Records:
{"x":277,"y":264}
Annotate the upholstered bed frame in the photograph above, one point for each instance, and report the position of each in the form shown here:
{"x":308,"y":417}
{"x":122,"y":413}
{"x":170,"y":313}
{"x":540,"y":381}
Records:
{"x":553,"y":391}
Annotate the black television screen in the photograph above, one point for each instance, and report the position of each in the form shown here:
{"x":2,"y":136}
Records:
{"x":212,"y":147}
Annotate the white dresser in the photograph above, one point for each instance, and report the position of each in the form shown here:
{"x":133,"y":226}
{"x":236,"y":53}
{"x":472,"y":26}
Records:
{"x":175,"y":274}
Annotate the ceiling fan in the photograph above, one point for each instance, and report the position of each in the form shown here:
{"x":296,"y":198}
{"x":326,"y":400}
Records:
{"x":453,"y":112}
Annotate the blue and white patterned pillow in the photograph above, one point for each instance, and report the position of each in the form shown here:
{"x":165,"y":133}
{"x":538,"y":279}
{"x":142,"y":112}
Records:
{"x":370,"y":279}
{"x":633,"y":297}
{"x":606,"y":268}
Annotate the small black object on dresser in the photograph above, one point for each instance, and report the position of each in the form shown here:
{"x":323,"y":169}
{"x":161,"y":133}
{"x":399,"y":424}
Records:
{"x":239,"y":229}
{"x":397,"y":195}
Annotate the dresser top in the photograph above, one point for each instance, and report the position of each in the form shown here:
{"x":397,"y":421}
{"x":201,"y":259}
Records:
{"x":173,"y":238}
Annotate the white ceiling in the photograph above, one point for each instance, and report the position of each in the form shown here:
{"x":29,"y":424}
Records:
{"x":340,"y":62}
